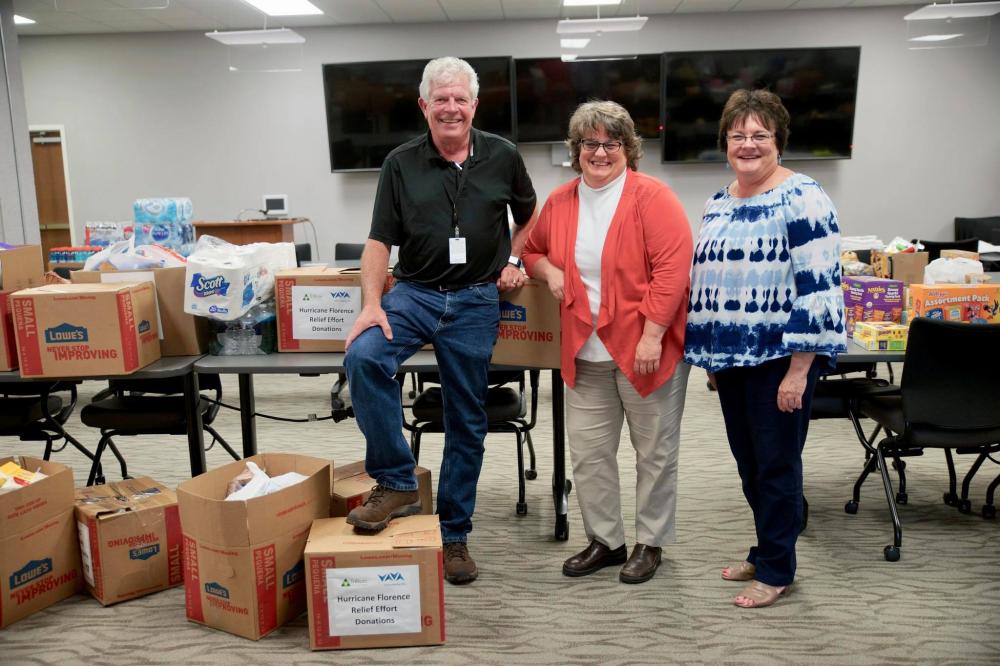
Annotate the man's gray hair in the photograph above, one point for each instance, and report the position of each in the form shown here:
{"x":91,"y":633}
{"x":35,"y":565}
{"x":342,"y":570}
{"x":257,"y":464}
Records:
{"x":447,"y":71}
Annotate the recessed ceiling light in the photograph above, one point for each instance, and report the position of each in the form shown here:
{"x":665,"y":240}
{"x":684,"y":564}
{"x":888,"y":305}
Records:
{"x":589,"y":3}
{"x":574,"y":43}
{"x":22,"y":20}
{"x":285,"y":7}
{"x":954,"y":10}
{"x":571,"y":26}
{"x":252,"y":37}
{"x":937,"y":38}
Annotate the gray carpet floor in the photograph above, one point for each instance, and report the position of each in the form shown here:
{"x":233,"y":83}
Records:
{"x":940,"y":604}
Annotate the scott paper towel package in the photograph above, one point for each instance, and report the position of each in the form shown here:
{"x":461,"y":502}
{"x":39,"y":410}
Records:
{"x":164,"y":221}
{"x":224,"y":281}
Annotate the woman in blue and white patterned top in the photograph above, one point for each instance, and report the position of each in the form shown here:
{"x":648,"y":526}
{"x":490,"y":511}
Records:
{"x":766,"y":313}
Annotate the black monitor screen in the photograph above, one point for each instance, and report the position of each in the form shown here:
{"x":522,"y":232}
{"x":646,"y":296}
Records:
{"x":549,"y":90}
{"x":371,"y":107}
{"x":817,"y":86}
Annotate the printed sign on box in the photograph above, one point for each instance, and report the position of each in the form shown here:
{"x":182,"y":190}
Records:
{"x":20,"y":267}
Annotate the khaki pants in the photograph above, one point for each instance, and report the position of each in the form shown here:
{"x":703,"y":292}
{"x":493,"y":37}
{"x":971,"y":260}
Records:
{"x":596,"y":408}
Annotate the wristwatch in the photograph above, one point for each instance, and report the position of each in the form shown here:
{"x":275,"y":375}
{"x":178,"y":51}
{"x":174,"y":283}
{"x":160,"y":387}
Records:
{"x":515,"y":262}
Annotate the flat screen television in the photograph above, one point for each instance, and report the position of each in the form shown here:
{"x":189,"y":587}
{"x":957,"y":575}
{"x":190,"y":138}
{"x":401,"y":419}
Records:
{"x":818,"y":86}
{"x":549,"y":90}
{"x":371,"y":107}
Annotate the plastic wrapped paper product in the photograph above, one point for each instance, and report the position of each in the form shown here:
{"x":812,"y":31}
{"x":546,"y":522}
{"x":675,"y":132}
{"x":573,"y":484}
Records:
{"x":252,"y":334}
{"x":224,"y":281}
{"x":260,"y":484}
{"x":165,"y":221}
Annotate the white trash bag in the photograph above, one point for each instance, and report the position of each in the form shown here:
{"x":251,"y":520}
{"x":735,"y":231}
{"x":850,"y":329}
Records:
{"x":951,"y":270}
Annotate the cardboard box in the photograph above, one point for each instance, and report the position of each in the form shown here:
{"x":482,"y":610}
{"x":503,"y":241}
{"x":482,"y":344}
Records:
{"x":881,"y":335}
{"x":959,"y":254}
{"x":382,"y":590}
{"x":317,"y":307}
{"x":20,"y":267}
{"x":243,"y":569}
{"x":181,"y":334}
{"x":907,"y":267}
{"x":974,"y":303}
{"x":130,"y":539}
{"x":529,"y":327}
{"x":39,"y":555}
{"x":871,"y":299}
{"x":352,"y":486}
{"x":80,"y":330}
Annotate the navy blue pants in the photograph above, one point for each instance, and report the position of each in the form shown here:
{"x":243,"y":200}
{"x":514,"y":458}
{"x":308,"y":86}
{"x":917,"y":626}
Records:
{"x":767,"y":444}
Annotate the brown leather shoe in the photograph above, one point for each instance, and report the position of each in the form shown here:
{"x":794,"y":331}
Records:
{"x":641,"y":565}
{"x":593,"y":558}
{"x":459,"y":567}
{"x":382,"y":506}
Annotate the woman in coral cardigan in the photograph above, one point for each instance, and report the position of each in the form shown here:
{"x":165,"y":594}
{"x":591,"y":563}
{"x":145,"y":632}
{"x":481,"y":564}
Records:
{"x":614,"y":246}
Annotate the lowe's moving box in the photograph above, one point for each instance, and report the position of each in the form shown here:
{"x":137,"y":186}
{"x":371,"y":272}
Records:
{"x":130,"y":539}
{"x":317,"y":307}
{"x":381,"y":590}
{"x":39,"y":553}
{"x":243,"y":569}
{"x":20,"y":267}
{"x":181,"y":334}
{"x":352,"y":486}
{"x":79,"y":330}
{"x":974,"y":303}
{"x":529,"y":327}
{"x":871,"y":299}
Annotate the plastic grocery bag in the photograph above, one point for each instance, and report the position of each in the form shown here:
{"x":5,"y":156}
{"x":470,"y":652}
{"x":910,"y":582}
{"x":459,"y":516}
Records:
{"x":126,"y":256}
{"x":261,"y":484}
{"x":951,"y":270}
{"x":224,"y":281}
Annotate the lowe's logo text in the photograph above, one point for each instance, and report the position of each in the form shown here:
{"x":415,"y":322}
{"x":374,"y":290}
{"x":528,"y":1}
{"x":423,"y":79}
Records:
{"x":31,"y":571}
{"x":209,"y":286}
{"x":144,"y":552}
{"x":143,"y":326}
{"x":391,"y":577}
{"x":511,"y":312}
{"x":65,"y":333}
{"x":216,"y":590}
{"x":294,"y":575}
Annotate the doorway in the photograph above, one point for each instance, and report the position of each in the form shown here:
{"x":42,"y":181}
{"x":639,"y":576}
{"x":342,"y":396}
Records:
{"x":48,"y":158}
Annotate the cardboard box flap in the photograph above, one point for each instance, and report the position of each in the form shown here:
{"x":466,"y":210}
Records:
{"x":21,"y":267}
{"x":335,"y":535}
{"x":30,"y":505}
{"x":117,"y":497}
{"x":80,"y":288}
{"x":347,"y":471}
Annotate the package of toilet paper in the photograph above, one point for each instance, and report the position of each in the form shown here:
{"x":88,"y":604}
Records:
{"x":224,"y":281}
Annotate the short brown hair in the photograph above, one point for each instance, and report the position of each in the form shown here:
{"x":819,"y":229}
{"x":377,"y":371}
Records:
{"x":763,"y":105}
{"x":613,"y":119}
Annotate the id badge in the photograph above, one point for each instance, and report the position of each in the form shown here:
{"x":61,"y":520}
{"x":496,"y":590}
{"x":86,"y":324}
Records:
{"x":456,"y":250}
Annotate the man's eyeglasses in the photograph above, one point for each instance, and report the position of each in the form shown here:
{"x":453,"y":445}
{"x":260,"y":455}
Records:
{"x":757,"y":138}
{"x":609,"y":146}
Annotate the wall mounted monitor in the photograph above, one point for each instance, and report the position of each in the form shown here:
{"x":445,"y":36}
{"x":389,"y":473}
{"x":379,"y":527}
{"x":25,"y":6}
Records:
{"x":549,"y":90}
{"x":371,"y":107}
{"x":818,"y":86}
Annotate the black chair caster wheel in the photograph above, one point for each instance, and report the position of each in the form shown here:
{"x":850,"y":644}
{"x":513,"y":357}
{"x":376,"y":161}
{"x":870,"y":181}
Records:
{"x":530,"y":474}
{"x":964,"y":506}
{"x":851,"y":507}
{"x":951,"y":499}
{"x":569,"y":486}
{"x":891,"y":554}
{"x":902,"y":498}
{"x":989,"y":512}
{"x":522,"y":508}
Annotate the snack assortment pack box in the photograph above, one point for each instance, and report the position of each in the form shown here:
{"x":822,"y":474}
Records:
{"x":20,"y":267}
{"x":39,"y":553}
{"x":881,"y":335}
{"x":973,"y":303}
{"x":130,"y":539}
{"x":243,"y":569}
{"x":529,"y":335}
{"x":871,"y":299}
{"x":352,"y":486}
{"x":79,"y":330}
{"x":375,"y":590}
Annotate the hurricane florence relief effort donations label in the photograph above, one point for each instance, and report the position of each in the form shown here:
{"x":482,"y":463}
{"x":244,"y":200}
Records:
{"x":324,"y":313}
{"x":374,"y":600}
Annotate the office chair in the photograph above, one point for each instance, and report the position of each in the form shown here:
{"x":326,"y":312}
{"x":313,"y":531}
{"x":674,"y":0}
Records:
{"x":507,"y":410}
{"x":347,"y":251}
{"x":933,"y":248}
{"x":148,"y":407}
{"x":948,"y":399}
{"x":35,"y":413}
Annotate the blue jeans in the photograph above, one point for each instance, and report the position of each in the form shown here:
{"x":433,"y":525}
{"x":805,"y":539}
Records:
{"x":462,"y":325}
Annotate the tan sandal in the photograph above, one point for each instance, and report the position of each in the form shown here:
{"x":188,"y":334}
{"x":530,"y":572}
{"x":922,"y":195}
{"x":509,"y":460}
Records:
{"x":759,"y":595}
{"x":741,"y":571}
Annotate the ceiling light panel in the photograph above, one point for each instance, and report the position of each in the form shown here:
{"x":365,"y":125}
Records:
{"x":577,"y":26}
{"x":954,"y":10}
{"x":255,"y":37}
{"x":590,"y":3}
{"x":574,"y":43}
{"x":285,"y":7}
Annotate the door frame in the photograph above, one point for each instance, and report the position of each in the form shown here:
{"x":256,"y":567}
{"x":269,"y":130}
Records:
{"x":65,"y":160}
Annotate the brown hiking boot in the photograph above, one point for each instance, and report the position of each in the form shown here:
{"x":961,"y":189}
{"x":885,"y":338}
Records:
{"x":459,"y":567}
{"x":383,"y":505}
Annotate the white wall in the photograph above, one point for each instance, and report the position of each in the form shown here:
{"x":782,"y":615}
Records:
{"x":160,"y":114}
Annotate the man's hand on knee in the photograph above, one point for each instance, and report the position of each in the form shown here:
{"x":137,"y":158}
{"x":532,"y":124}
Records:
{"x":370,"y":315}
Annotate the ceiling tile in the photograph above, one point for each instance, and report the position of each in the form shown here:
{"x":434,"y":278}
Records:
{"x":704,"y":6}
{"x":472,"y":10}
{"x":412,"y":11}
{"x":352,"y":12}
{"x":523,"y":9}
{"x":820,"y":4}
{"x":762,"y":5}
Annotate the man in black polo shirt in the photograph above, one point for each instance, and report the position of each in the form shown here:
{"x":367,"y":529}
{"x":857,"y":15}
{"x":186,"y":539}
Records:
{"x":443,"y":199}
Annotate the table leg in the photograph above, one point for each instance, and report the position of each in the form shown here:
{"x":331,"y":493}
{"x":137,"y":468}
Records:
{"x":560,"y":486}
{"x":248,"y":408}
{"x":196,"y":437}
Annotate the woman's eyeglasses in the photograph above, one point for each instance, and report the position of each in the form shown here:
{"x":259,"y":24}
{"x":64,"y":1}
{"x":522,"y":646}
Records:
{"x":609,"y":146}
{"x":757,"y":138}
